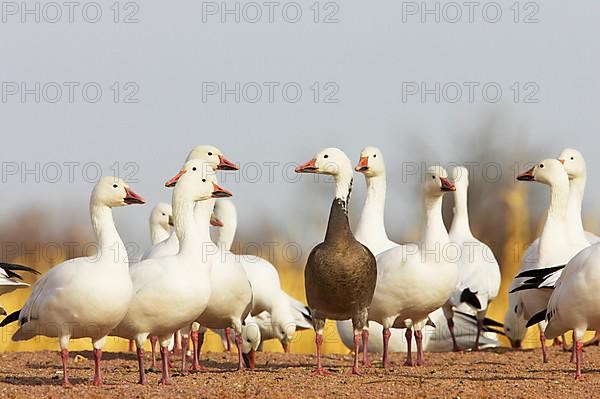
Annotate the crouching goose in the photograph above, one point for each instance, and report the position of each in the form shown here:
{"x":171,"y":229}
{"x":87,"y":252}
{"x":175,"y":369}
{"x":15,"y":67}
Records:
{"x":84,"y":297}
{"x":341,"y":272}
{"x":414,"y":280}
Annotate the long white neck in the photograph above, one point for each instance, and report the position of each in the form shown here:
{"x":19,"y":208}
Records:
{"x":158,"y":233}
{"x":185,"y":226}
{"x":554,"y":238}
{"x":460,"y":222}
{"x":227,"y":233}
{"x":371,"y":225}
{"x":202,"y":213}
{"x":433,"y":229}
{"x":109,"y":240}
{"x":574,"y":222}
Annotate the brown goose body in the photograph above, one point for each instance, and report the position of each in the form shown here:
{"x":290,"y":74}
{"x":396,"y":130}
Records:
{"x":340,"y":273}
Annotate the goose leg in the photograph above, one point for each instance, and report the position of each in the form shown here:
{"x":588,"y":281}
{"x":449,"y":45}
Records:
{"x":386,"y":344}
{"x":64,"y":356}
{"x":239,"y":341}
{"x":578,"y":359}
{"x":153,"y":341}
{"x":479,"y":328}
{"x":176,"y":338}
{"x":420,"y":356}
{"x":455,"y":347}
{"x":228,"y":339}
{"x":359,"y":324}
{"x":97,"y":360}
{"x":543,"y":342}
{"x":185,"y":342}
{"x":140,"y":357}
{"x":130,"y":345}
{"x":319,"y":325}
{"x":408,"y":335}
{"x":164,"y":354}
{"x":365,"y":343}
{"x":573,"y":350}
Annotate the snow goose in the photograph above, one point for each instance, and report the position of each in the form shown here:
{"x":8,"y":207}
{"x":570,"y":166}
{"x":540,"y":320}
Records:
{"x":478,"y":270}
{"x":279,"y":313}
{"x":414,"y":280}
{"x":215,"y":158}
{"x":340,"y":272}
{"x":9,"y":279}
{"x":158,"y":284}
{"x":84,"y":297}
{"x":554,"y":249}
{"x":573,"y":304}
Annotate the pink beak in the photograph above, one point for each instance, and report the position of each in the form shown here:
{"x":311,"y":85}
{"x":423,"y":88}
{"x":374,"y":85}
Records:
{"x":132,"y":198}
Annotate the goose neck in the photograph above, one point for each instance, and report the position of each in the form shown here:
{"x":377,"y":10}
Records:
{"x":372,"y":216}
{"x":227,"y":234}
{"x":460,"y":221}
{"x":576,"y":192}
{"x":433,"y":229}
{"x":158,"y":233}
{"x":106,"y":232}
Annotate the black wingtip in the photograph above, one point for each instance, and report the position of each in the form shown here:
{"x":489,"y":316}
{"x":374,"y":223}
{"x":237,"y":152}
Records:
{"x":469,"y":297}
{"x":13,"y":267}
{"x":537,"y":318}
{"x":545,"y":271}
{"x":11,"y":318}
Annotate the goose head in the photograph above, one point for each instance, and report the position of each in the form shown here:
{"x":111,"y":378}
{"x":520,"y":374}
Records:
{"x":196,"y":180}
{"x":436,"y":182}
{"x":251,"y":336}
{"x":549,"y":171}
{"x":515,"y":325}
{"x":330,"y":161}
{"x":460,"y":178}
{"x":213,"y":156}
{"x":113,"y":192}
{"x":573,"y":162}
{"x":371,"y":162}
{"x":162,"y":215}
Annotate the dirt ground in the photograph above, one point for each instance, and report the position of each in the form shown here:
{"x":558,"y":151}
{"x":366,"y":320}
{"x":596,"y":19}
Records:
{"x":497,"y":373}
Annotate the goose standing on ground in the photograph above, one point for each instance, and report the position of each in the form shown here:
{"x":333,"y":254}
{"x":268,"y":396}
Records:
{"x":573,"y":304}
{"x":340,"y":273}
{"x":9,"y":279}
{"x":414,"y":280}
{"x":275,"y":313}
{"x":478,"y":270}
{"x":84,"y":297}
{"x":555,"y":247}
{"x":158,"y":284}
{"x":161,"y":221}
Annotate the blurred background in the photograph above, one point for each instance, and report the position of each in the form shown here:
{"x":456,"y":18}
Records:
{"x":129,"y":90}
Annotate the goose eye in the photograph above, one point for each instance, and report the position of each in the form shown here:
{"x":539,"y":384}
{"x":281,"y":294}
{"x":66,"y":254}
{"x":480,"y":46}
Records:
{"x":541,"y":166}
{"x":374,"y":155}
{"x":115,"y":186}
{"x":210,"y":154}
{"x":325,"y":156}
{"x":164,"y":214}
{"x":433,"y":177}
{"x":194,"y":168}
{"x":203,"y":180}
{"x":572,"y":158}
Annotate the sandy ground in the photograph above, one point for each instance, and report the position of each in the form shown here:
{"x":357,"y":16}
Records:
{"x":498,"y":373}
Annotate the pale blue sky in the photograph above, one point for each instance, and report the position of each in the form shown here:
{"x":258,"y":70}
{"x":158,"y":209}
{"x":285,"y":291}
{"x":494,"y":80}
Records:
{"x":368,"y":54}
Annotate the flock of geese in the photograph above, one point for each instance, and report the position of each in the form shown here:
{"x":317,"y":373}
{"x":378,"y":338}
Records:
{"x":377,"y":290}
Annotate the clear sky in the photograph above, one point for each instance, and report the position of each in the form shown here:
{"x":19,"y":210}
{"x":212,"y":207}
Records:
{"x":162,"y":77}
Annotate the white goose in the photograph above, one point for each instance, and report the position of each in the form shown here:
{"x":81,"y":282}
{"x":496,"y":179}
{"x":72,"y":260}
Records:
{"x":554,"y":249}
{"x":84,"y":297}
{"x":276,"y":314}
{"x":415,"y":280}
{"x":575,"y":166}
{"x":158,"y":284}
{"x":478,"y":270}
{"x":573,"y":304}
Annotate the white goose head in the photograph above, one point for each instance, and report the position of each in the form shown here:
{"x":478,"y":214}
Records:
{"x":371,"y":162}
{"x":436,"y":182}
{"x":113,"y":192}
{"x":333,"y":162}
{"x":162,"y":215}
{"x":573,"y":162}
{"x":213,"y":156}
{"x":195,"y":179}
{"x":549,"y":171}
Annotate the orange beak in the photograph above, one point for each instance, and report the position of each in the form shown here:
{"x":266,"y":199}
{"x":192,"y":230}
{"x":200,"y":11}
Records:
{"x":220,"y":192}
{"x":363,"y":165}
{"x":215,"y":221}
{"x":447,"y":184}
{"x":309,"y":167}
{"x":225,"y":164}
{"x":561,"y":161}
{"x":175,"y":179}
{"x":132,"y":198}
{"x":526,"y":176}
